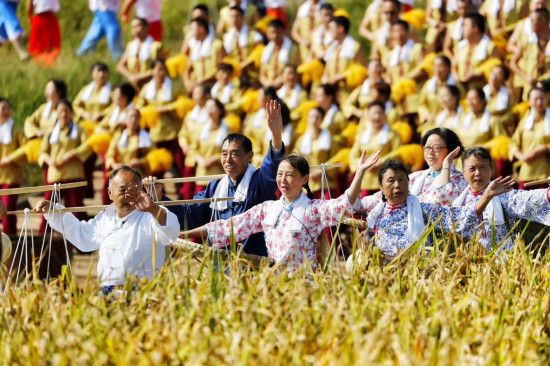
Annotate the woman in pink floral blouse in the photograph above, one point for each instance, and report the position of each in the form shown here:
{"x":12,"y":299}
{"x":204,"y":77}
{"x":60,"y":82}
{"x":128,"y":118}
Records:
{"x":292,"y":224}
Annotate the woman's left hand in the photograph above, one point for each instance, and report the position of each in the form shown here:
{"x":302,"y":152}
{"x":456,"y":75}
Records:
{"x":365,"y":164}
{"x":450,"y":157}
{"x":500,"y":186}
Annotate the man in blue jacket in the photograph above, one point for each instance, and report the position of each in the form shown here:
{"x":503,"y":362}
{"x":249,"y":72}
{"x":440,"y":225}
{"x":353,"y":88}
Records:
{"x":249,"y":186}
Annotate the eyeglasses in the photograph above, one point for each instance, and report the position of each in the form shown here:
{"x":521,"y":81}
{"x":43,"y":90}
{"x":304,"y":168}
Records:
{"x":436,"y":148}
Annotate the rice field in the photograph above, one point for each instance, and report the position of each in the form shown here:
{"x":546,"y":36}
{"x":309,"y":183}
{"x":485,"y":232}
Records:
{"x":445,"y":305}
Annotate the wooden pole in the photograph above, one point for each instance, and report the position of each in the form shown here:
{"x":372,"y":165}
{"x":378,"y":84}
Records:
{"x":23,"y":190}
{"x":199,"y":250}
{"x":103,"y":207}
{"x":205,"y":178}
{"x":537,"y":182}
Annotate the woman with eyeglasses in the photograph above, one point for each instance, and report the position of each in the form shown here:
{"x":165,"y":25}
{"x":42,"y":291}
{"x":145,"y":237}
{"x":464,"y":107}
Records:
{"x":441,"y":183}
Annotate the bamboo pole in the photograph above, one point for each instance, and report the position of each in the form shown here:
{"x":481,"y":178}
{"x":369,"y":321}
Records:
{"x":536,"y":182}
{"x":103,"y":207}
{"x":328,"y":166}
{"x":198,"y":250}
{"x":23,"y":190}
{"x":205,"y":178}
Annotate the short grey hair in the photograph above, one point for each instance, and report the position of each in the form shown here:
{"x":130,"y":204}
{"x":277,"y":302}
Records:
{"x":124,"y":168}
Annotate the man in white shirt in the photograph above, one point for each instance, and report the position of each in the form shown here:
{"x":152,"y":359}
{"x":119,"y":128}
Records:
{"x":105,"y":24}
{"x":130,"y":234}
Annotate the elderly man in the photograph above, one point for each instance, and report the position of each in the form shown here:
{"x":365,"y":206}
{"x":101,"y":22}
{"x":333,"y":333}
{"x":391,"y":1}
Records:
{"x":130,"y":234}
{"x":248,"y":185}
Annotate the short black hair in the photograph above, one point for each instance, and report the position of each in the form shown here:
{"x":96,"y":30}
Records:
{"x":329,"y":90}
{"x":205,"y":88}
{"x":477,"y":20}
{"x":505,"y":71}
{"x":270,"y":91}
{"x":455,"y":92}
{"x":342,"y":22}
{"x":543,"y":13}
{"x":327,"y":6}
{"x":383,"y":88}
{"x":127,"y":90}
{"x":220,"y":107}
{"x":60,"y":87}
{"x":245,"y":141}
{"x":101,"y":66}
{"x":402,"y":23}
{"x":543,"y":91}
{"x":201,"y":22}
{"x":480,"y":93}
{"x":445,"y":59}
{"x":143,"y":21}
{"x":394,"y":165}
{"x":66,"y":103}
{"x":237,"y":9}
{"x":123,"y":168}
{"x":225,"y":66}
{"x":5,"y":100}
{"x":276,"y":23}
{"x":201,"y":7}
{"x":478,"y":152}
{"x":451,"y":139}
{"x":377,"y":103}
{"x":158,"y":60}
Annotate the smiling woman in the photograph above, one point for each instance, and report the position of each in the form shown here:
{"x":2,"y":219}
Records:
{"x":292,"y":224}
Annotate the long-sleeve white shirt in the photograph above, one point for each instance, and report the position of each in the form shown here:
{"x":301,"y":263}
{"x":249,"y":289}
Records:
{"x":125,"y":244}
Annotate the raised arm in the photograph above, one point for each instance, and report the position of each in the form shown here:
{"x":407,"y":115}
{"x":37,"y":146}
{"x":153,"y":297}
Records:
{"x":363,"y":165}
{"x":495,"y":188}
{"x":275,"y":124}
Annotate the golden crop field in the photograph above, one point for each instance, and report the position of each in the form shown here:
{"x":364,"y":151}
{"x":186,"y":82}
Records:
{"x":442,"y":306}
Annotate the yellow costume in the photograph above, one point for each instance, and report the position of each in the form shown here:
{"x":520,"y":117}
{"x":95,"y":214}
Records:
{"x":292,"y":97}
{"x":115,"y":118}
{"x":168,"y":124}
{"x":478,"y":130}
{"x":308,"y":18}
{"x":503,"y":14}
{"x":190,"y":130}
{"x":428,"y":99}
{"x":208,"y":145}
{"x":273,"y":62}
{"x":468,"y":57}
{"x":229,"y":95}
{"x":239,"y":45}
{"x":535,"y":62}
{"x":335,"y":122}
{"x":500,"y":105}
{"x":71,"y":138}
{"x":12,"y":173}
{"x":139,"y":57}
{"x":529,"y":135}
{"x":371,"y":141}
{"x":125,"y":148}
{"x":43,"y":119}
{"x":205,"y":57}
{"x":92,"y":99}
{"x":401,"y":60}
{"x":250,"y":12}
{"x":339,"y":57}
{"x":318,"y":150}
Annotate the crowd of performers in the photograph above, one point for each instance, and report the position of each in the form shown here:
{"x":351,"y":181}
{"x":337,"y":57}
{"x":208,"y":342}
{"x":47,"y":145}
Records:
{"x":471,"y":81}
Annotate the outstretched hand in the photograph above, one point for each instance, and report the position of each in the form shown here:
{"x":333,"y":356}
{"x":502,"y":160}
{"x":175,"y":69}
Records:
{"x":365,"y":164}
{"x":450,"y":157}
{"x":500,"y":186}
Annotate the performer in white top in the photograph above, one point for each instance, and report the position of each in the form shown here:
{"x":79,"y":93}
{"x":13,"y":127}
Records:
{"x":129,"y":234}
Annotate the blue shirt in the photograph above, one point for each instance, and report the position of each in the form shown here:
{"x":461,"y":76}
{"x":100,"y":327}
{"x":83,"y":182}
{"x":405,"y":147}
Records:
{"x":262,"y":188}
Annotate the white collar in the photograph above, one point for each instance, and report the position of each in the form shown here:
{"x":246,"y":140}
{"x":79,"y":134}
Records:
{"x":297,"y":210}
{"x":6,"y":132}
{"x":241,"y":192}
